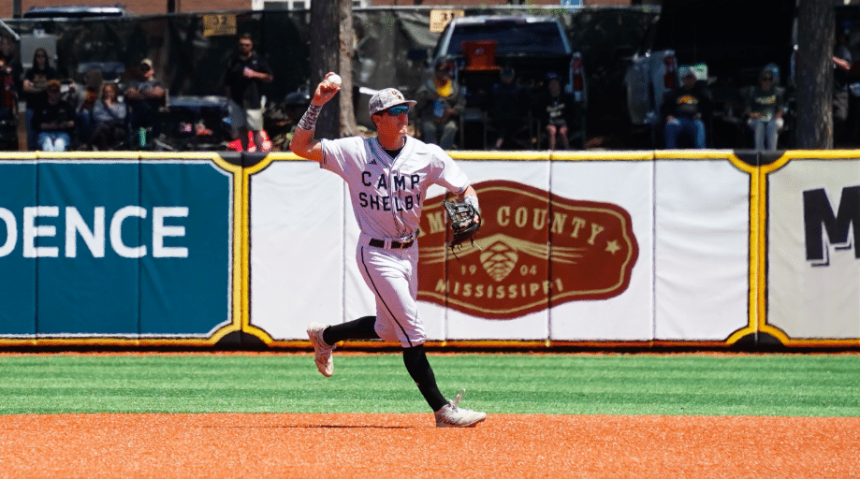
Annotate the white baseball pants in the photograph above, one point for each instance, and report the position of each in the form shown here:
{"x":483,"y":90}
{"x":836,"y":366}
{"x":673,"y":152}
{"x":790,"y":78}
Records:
{"x":392,"y":275}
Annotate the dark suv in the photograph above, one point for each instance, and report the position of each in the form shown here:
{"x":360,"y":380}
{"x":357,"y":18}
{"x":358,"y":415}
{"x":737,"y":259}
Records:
{"x":534,"y":46}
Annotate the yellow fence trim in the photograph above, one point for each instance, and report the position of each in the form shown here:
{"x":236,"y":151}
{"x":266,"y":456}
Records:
{"x":644,"y":155}
{"x":500,"y":155}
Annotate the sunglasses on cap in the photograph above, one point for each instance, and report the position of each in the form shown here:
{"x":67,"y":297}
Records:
{"x":398,"y":110}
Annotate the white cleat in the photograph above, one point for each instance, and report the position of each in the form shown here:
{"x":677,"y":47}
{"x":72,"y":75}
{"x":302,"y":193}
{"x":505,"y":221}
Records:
{"x":453,"y":416}
{"x":322,"y":351}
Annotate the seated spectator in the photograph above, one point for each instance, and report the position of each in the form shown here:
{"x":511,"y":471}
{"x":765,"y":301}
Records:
{"x":83,"y":98}
{"x":9,"y":98}
{"x":555,"y":108}
{"x":764,"y":107}
{"x":8,"y":105}
{"x":55,"y":121}
{"x":684,"y":108}
{"x":508,"y":104}
{"x":34,"y":85}
{"x":109,"y":117}
{"x":295,"y":105}
{"x":440,"y":104}
{"x":10,"y":50}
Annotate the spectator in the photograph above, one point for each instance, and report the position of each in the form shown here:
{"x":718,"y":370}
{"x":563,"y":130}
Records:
{"x":144,"y":97}
{"x":440,"y":104}
{"x":508,"y":100}
{"x":765,"y":107}
{"x":246,"y":74}
{"x":109,"y":116}
{"x":841,"y":66}
{"x":9,"y":51}
{"x":8,"y":105}
{"x":55,"y":120}
{"x":83,"y":98}
{"x":9,"y":96}
{"x":35,"y":86}
{"x":295,"y":105}
{"x":555,"y":108}
{"x":684,"y":108}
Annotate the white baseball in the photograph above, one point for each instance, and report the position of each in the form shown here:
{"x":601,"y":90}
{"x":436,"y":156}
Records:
{"x":334,"y":80}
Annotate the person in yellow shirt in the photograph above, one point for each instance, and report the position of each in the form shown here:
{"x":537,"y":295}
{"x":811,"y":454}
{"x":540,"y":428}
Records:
{"x":440,"y":104}
{"x":764,"y":110}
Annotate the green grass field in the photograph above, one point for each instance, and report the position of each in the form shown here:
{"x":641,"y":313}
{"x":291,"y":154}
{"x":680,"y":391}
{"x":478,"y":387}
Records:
{"x":619,"y":384}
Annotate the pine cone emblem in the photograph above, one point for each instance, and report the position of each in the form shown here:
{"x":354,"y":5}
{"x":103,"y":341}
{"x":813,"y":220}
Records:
{"x":499,"y":260}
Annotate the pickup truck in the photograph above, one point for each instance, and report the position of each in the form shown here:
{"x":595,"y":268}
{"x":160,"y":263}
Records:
{"x":534,"y":46}
{"x":729,"y":41}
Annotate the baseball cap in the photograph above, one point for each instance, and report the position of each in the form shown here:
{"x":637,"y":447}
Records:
{"x":147,"y":62}
{"x":686,"y":72}
{"x":385,"y":99}
{"x":53,"y":85}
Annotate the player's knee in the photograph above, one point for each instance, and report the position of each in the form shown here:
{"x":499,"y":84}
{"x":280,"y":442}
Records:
{"x":417,"y":339}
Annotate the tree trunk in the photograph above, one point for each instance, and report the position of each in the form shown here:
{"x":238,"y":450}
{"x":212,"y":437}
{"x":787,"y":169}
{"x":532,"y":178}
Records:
{"x":814,"y":74}
{"x":331,"y":49}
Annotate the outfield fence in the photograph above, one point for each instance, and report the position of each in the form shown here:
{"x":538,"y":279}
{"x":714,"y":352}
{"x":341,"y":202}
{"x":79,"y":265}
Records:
{"x":704,"y":248}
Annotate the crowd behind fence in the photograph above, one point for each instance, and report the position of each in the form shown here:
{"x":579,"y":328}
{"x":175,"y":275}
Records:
{"x":392,"y":50}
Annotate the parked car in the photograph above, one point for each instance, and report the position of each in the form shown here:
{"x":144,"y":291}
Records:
{"x":729,"y":41}
{"x":534,"y":46}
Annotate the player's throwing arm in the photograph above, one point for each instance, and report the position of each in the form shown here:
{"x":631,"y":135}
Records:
{"x":303,"y":143}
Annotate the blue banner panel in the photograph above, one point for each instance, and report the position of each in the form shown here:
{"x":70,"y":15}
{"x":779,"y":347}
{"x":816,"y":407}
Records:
{"x":18,"y":277}
{"x":185,"y":275}
{"x":86,"y":244}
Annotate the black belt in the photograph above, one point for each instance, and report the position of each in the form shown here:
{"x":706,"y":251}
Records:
{"x":378,"y":243}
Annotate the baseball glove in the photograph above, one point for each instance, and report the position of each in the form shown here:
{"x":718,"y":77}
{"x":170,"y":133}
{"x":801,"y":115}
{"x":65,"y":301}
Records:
{"x":462,"y":216}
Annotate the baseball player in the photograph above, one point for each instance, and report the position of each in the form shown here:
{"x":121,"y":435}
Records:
{"x":388,"y":177}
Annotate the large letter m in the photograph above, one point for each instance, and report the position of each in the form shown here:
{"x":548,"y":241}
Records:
{"x":818,"y":215}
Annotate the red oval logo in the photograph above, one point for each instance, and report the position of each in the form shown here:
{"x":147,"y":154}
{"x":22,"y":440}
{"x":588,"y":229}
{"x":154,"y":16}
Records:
{"x":534,"y":250}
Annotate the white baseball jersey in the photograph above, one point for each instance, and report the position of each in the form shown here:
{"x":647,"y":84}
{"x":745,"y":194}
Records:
{"x":387,"y":197}
{"x":388,"y":193}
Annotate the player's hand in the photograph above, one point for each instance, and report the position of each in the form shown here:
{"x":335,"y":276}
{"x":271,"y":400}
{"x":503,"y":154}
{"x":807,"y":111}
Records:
{"x":325,"y":90}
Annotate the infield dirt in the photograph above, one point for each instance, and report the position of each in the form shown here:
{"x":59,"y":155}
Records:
{"x":381,"y":446}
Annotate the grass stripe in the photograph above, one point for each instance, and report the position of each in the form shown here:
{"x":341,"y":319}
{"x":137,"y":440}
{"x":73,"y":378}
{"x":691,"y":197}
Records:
{"x":781,"y":385}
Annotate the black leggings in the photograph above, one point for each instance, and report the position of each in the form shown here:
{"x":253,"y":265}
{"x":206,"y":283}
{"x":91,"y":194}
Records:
{"x":361,"y":328}
{"x":414,"y":358}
